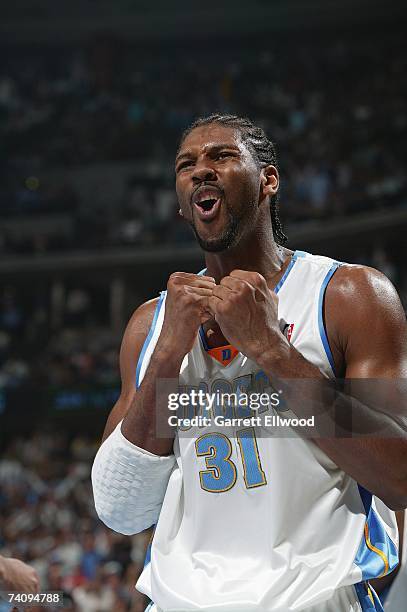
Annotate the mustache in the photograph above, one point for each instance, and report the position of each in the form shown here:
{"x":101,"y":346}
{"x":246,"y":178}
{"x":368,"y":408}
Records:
{"x":206,"y":185}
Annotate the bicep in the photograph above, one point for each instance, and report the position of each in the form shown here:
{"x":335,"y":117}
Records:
{"x":132,"y":344}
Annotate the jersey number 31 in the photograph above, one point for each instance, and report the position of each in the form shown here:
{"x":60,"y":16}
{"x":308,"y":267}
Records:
{"x":221,"y":473}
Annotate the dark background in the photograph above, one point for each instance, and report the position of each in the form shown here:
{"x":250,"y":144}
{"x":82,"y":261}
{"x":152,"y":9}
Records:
{"x":93,"y":99}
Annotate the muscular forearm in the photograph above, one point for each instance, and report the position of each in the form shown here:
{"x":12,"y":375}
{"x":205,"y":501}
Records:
{"x":148,"y":413}
{"x":364,"y":451}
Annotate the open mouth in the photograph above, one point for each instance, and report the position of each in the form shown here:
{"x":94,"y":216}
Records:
{"x":208,"y":208}
{"x":208,"y":204}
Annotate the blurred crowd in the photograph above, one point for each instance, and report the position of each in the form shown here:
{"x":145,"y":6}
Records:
{"x":78,"y":350}
{"x":335,"y":107}
{"x":47,"y":519}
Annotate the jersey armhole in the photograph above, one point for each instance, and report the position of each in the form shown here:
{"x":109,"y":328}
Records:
{"x":148,"y":338}
{"x":321,"y":316}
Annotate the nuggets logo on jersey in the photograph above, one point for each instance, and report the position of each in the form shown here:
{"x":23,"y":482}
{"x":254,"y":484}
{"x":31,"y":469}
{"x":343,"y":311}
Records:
{"x":223,"y":354}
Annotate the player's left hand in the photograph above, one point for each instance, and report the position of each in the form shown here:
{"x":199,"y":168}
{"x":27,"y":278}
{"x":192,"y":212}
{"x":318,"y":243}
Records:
{"x":246,"y":310}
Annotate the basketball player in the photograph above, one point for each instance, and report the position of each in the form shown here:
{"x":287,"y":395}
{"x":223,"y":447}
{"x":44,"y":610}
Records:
{"x":246,"y":523}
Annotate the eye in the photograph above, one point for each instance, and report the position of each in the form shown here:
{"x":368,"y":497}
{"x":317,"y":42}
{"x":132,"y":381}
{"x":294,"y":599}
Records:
{"x":225,"y":154}
{"x":184,"y":164}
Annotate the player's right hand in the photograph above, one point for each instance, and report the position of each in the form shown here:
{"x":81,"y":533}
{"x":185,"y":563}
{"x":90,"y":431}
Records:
{"x":18,"y":576}
{"x":186,"y":308}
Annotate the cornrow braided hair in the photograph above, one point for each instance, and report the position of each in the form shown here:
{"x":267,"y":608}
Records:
{"x":261,"y":148}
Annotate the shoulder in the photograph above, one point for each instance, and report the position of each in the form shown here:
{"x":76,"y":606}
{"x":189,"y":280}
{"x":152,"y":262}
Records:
{"x":133,"y":339}
{"x":359,"y":287}
{"x":363,"y":314}
{"x":141,"y":319}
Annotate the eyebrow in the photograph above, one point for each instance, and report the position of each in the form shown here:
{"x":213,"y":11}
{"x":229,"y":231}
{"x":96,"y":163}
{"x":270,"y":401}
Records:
{"x":211,"y":148}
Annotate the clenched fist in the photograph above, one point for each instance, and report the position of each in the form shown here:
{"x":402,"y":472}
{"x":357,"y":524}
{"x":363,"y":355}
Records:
{"x":246,"y":310}
{"x":186,"y":307}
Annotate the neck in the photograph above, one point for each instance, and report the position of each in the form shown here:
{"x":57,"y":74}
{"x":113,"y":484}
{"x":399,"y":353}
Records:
{"x":256,"y":253}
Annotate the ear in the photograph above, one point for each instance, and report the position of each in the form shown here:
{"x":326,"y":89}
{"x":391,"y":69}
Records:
{"x":270,"y":181}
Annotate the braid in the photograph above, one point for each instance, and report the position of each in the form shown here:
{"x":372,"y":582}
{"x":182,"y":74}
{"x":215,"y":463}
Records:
{"x":261,"y":148}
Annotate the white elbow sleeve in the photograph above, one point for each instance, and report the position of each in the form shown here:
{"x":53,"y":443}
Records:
{"x":129,"y":484}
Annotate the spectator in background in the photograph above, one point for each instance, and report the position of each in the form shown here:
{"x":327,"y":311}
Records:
{"x":11,"y":315}
{"x":94,"y":596}
{"x":77,"y":307}
{"x":91,"y":558}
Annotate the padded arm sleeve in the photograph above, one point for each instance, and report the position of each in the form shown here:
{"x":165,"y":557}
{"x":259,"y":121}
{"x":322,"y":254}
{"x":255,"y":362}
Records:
{"x":129,"y":484}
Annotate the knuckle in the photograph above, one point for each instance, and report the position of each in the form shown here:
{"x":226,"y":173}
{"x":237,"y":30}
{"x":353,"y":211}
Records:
{"x":173,"y":275}
{"x":185,"y":299}
{"x":257,"y":278}
{"x":178,"y":277}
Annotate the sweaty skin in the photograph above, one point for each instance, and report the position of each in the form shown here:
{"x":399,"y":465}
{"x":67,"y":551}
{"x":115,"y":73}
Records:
{"x":364,"y":318}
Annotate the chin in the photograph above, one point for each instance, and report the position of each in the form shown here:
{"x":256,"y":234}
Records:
{"x":217,"y":244}
{"x":213,"y":246}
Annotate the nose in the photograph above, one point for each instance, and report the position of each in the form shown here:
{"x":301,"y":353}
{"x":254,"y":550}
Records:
{"x":203,"y":172}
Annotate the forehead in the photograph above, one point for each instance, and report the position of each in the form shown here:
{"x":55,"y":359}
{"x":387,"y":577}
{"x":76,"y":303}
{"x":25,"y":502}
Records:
{"x":213,"y":134}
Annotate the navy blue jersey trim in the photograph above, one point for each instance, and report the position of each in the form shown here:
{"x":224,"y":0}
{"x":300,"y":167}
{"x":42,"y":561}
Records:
{"x":322,"y":330}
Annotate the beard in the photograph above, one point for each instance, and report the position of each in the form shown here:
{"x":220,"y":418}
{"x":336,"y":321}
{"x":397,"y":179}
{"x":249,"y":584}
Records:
{"x":225,"y":241}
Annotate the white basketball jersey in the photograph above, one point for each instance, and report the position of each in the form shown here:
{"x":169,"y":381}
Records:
{"x":254,"y":523}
